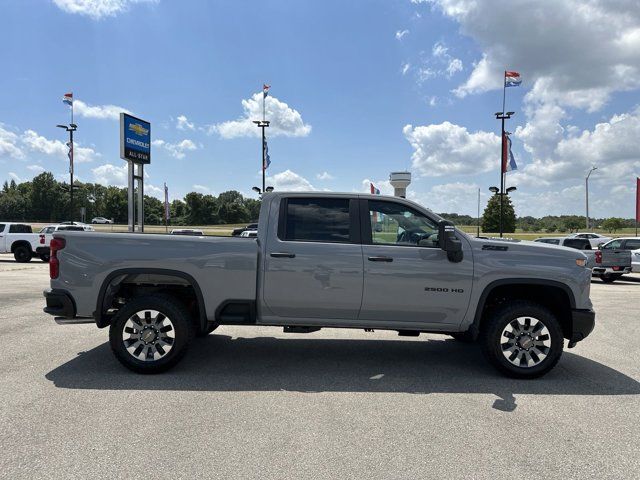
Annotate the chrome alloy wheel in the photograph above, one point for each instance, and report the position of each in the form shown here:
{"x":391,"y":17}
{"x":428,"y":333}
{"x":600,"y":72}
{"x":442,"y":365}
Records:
{"x":525,"y":342}
{"x":148,"y":335}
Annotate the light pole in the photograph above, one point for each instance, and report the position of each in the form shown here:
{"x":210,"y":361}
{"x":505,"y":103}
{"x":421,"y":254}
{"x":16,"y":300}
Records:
{"x":263,"y":124}
{"x":502,"y":116}
{"x":72,"y":127}
{"x":586,"y":192}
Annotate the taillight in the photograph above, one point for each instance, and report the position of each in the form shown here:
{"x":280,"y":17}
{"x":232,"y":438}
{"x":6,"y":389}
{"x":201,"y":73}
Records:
{"x":41,"y":239}
{"x":54,"y":264}
{"x":598,"y":256}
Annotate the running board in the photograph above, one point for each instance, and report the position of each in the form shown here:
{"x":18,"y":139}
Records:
{"x":295,"y":329}
{"x":73,"y":321}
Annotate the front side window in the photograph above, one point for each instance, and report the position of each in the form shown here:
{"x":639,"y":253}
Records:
{"x":317,"y":220}
{"x":395,"y":224}
{"x":612,"y":245}
{"x":1,"y":227}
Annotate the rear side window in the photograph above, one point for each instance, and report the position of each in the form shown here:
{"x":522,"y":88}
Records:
{"x":317,"y":220}
{"x":19,"y":228}
{"x":632,"y":244}
{"x":579,"y":243}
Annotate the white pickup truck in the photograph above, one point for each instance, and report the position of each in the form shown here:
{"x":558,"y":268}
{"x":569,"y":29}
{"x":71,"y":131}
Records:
{"x":19,"y":239}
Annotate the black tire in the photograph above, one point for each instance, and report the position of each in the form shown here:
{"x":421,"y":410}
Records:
{"x":464,"y":337}
{"x":610,"y":277}
{"x":210,"y":328}
{"x":493,"y":343}
{"x":45,"y":257}
{"x":182,"y":329}
{"x":22,"y":254}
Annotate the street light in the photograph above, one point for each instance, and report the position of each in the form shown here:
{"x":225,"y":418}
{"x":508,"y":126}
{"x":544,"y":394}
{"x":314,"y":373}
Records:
{"x":72,"y":127}
{"x":502,"y":116}
{"x":511,"y":189}
{"x":268,"y":189}
{"x":257,"y":190}
{"x":586,"y":191}
{"x":494,"y":190}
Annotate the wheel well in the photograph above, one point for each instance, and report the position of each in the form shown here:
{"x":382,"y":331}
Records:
{"x":20,"y":243}
{"x":119,"y":289}
{"x":552,"y":297}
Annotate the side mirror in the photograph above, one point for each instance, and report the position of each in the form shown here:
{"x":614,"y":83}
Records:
{"x":449,"y":242}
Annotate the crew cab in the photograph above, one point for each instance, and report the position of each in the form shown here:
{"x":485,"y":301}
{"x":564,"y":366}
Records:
{"x":609,"y":264}
{"x":318,"y":262}
{"x":19,"y":239}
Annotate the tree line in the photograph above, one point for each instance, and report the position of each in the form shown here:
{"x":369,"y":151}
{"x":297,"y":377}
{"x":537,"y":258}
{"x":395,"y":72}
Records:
{"x":44,"y":199}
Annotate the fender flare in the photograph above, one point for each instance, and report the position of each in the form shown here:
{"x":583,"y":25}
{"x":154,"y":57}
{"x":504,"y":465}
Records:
{"x":123,"y":272}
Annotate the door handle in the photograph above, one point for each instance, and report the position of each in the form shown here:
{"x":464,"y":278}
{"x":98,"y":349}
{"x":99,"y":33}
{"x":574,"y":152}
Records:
{"x":380,"y":259}
{"x":283,"y":255}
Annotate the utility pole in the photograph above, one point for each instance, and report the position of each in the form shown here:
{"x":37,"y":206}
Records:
{"x":264,"y":124}
{"x":478,"y":235}
{"x":586,"y":191}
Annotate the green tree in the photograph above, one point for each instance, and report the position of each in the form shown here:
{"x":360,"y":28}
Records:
{"x":45,"y":197}
{"x":612,"y":224}
{"x":491,"y":215}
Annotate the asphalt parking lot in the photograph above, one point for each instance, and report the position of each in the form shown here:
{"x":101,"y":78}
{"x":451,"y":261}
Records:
{"x":259,"y":403}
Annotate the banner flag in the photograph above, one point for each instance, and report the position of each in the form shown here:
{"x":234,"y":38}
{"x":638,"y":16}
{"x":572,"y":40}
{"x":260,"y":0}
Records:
{"x":267,"y":158}
{"x":637,"y":199}
{"x":167,"y":211}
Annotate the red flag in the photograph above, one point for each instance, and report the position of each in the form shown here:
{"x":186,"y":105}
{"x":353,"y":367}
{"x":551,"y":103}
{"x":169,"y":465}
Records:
{"x":637,"y":199}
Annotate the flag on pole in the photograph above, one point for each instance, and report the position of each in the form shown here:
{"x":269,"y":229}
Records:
{"x":167,"y":211}
{"x":68,"y":99}
{"x":374,"y":190}
{"x":267,"y":158}
{"x":70,"y":155}
{"x":265,"y":90}
{"x":512,"y":79}
{"x":511,"y":163}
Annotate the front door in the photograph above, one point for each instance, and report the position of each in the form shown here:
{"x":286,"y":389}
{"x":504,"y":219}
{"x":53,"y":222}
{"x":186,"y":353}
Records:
{"x":313,"y":266}
{"x":407,"y":277}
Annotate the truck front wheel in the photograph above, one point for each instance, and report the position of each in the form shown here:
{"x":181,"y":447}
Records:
{"x":151,"y":333}
{"x":522,"y":339}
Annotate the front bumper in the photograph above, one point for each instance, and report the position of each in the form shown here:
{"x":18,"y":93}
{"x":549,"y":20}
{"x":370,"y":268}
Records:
{"x":59,"y":303}
{"x":582,"y":323}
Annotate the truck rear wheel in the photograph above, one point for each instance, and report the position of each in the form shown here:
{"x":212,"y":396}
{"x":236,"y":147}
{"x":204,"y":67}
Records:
{"x":522,"y":339}
{"x":150,"y":334}
{"x":22,"y":254}
{"x":610,"y":277}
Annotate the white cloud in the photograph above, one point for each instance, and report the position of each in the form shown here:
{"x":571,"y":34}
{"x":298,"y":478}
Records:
{"x":285,"y":121}
{"x":102,"y":112}
{"x":401,"y":33}
{"x":37,"y":143}
{"x":582,"y":51}
{"x":405,"y":68}
{"x":154,"y":191}
{"x":289,"y":181}
{"x":97,"y":9}
{"x":177,"y":150}
{"x":324,"y":176}
{"x":35,"y":168}
{"x":9,"y":144}
{"x":439,"y":50}
{"x":201,"y":188}
{"x":182,"y":123}
{"x":455,"y":65}
{"x":448,"y":149}
{"x":455,"y":197}
{"x":109,"y":174}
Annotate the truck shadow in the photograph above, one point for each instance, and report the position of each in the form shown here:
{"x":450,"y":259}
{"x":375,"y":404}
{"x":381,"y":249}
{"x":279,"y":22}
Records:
{"x":225,"y":364}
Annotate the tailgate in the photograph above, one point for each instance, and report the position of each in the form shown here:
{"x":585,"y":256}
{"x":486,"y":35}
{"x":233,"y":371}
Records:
{"x":615,"y":258}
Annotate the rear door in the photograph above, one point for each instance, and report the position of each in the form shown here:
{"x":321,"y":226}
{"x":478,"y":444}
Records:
{"x":407,"y":277}
{"x":313,"y":265}
{"x":3,"y":247}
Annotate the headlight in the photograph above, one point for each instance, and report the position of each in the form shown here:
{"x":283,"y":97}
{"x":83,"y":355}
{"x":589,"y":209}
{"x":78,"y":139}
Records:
{"x":581,"y":262}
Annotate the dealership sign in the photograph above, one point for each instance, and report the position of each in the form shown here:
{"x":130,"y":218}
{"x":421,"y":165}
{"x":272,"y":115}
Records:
{"x":135,"y":139}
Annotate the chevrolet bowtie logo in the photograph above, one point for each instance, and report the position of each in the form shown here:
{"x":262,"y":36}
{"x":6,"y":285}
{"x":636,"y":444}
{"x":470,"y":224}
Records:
{"x":138,"y":129}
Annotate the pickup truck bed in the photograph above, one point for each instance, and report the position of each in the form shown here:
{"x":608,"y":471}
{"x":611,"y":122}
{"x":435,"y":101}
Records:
{"x":325,"y":260}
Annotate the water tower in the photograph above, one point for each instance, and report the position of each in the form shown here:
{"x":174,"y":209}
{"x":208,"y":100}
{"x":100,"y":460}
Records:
{"x":400,"y":181}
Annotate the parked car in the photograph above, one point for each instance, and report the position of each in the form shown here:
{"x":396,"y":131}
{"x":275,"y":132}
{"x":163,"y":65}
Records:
{"x":19,"y":239}
{"x":237,"y":231}
{"x":249,"y":234}
{"x":186,"y":231}
{"x":60,"y":228}
{"x":101,"y":220}
{"x":594,"y":238}
{"x":631,"y":244}
{"x":85,"y":227}
{"x":608,"y":264}
{"x":317,"y":262}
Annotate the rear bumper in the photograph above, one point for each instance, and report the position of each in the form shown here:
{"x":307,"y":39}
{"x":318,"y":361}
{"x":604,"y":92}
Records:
{"x":582,"y":323}
{"x":59,"y":303}
{"x":605,"y":270}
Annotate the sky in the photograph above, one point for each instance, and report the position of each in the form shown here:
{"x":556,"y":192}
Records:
{"x":358,"y":89}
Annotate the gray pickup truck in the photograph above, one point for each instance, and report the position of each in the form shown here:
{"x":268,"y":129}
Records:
{"x":607,"y":263}
{"x":325,"y":260}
